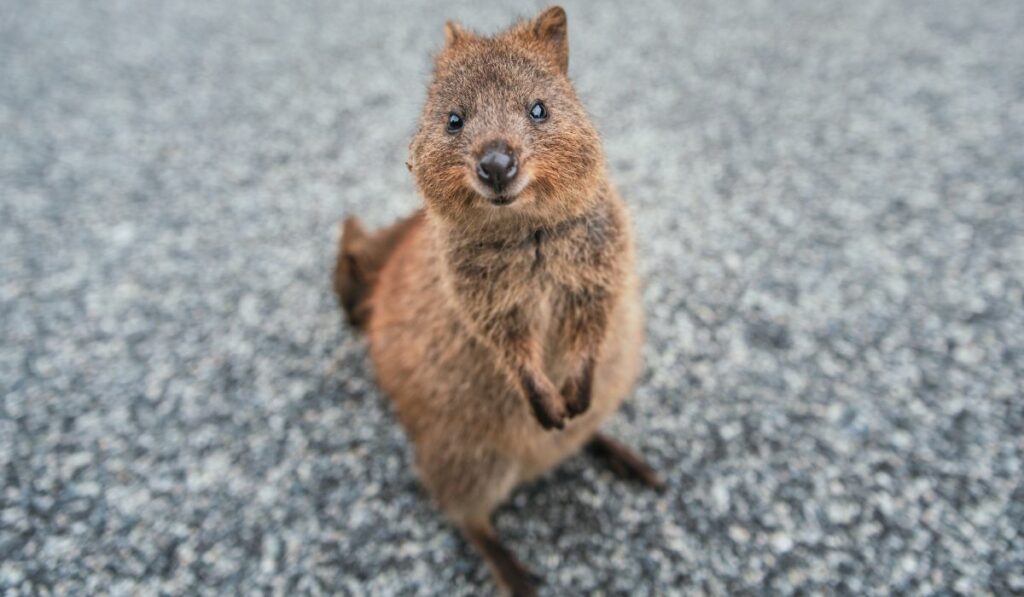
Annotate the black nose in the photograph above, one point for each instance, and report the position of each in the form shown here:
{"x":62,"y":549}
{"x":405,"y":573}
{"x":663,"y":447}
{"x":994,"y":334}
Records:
{"x":497,"y":167}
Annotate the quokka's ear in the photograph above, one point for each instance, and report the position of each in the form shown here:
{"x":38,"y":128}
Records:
{"x":551,"y":27}
{"x":454,"y":34}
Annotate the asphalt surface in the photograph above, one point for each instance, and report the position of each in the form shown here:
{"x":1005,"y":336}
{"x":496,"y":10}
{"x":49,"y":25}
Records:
{"x":829,"y":199}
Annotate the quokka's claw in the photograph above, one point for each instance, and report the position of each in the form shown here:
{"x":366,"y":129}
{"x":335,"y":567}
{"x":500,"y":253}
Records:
{"x":548,"y":409}
{"x":577,"y":391}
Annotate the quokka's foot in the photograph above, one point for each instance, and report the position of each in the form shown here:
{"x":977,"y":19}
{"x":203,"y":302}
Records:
{"x":512,"y":576}
{"x":624,"y":460}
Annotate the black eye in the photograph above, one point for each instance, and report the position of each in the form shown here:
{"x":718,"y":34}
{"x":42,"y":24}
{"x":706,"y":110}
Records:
{"x":538,"y":112}
{"x":454,"y":123}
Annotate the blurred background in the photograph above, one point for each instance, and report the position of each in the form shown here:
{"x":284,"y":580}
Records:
{"x":829,"y":199}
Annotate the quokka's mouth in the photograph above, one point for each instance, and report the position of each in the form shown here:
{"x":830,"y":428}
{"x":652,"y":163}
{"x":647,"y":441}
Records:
{"x":507,"y":196}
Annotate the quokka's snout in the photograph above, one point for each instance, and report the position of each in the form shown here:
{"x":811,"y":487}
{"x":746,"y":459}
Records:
{"x":497,"y":166}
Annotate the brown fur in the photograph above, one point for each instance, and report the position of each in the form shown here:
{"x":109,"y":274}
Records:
{"x":503,"y":335}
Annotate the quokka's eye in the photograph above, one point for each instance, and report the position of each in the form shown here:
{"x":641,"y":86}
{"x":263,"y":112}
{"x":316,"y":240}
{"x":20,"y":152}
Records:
{"x":538,"y":112}
{"x":454,"y":123}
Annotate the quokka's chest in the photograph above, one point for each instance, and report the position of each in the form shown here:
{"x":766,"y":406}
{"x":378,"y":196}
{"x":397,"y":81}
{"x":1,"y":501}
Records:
{"x":537,"y":258}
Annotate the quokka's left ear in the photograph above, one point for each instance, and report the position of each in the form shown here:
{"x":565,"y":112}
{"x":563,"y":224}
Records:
{"x":552,"y":28}
{"x":454,"y":34}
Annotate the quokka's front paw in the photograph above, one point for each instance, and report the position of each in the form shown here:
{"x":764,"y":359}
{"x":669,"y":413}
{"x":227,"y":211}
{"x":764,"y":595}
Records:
{"x":548,"y":407}
{"x":577,"y":390}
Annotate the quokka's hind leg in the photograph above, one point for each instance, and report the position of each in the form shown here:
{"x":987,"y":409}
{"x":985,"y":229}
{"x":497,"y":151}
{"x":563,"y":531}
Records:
{"x":512,"y":576}
{"x":624,"y":460}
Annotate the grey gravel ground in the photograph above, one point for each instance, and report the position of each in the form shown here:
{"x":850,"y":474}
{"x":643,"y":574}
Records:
{"x":829,"y":197}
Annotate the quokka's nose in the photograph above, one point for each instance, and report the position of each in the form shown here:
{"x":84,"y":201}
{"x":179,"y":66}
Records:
{"x":497,"y":167}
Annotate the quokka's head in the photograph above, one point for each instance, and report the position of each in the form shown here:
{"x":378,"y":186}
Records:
{"x":502,"y":132}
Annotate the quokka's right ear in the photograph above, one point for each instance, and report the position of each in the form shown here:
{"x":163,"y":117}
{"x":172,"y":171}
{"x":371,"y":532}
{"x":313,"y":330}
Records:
{"x":454,"y":34}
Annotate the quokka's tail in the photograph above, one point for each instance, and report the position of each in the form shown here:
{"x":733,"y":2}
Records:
{"x":361,"y":256}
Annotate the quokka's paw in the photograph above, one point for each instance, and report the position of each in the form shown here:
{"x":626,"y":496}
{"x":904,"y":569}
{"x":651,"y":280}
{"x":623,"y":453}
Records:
{"x":548,"y":407}
{"x":578,"y":389}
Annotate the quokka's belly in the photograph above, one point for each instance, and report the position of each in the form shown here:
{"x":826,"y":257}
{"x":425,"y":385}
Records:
{"x":614,"y":377}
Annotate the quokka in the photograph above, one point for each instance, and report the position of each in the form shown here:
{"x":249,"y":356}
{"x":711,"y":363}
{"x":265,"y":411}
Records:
{"x":504,"y":318}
